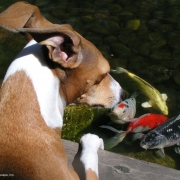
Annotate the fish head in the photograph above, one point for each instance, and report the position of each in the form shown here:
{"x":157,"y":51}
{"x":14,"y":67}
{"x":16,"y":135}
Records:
{"x":164,"y":109}
{"x":119,"y":110}
{"x":153,"y":140}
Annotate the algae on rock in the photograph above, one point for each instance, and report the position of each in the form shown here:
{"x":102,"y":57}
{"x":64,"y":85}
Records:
{"x":76,"y":119}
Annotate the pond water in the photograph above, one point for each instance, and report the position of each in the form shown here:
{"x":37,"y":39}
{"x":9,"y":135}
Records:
{"x":141,"y":36}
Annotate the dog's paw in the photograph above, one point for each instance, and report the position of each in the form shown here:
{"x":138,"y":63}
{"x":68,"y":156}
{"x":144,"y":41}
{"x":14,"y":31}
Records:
{"x":92,"y":141}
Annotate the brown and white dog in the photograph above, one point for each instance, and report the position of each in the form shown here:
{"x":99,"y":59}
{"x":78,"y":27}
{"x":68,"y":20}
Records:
{"x":57,"y":67}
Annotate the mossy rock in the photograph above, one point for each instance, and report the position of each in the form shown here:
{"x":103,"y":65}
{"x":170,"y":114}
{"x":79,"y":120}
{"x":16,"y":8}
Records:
{"x":176,"y":77}
{"x":110,"y":39}
{"x":76,"y":119}
{"x":14,"y":43}
{"x":59,"y":13}
{"x":133,"y":24}
{"x":120,"y":49}
{"x":114,"y":9}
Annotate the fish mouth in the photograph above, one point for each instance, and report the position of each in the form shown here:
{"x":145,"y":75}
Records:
{"x":113,"y":116}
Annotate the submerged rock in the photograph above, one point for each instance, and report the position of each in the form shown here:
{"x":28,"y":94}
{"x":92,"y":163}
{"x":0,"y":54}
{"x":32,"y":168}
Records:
{"x":133,"y":24}
{"x":120,"y":49}
{"x":176,"y":77}
{"x":162,"y":54}
{"x":114,"y":9}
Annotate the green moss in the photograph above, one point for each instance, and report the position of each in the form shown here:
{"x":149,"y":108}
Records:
{"x":76,"y":119}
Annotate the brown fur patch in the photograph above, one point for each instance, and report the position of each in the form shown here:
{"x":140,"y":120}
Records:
{"x":91,"y":175}
{"x":29,"y":149}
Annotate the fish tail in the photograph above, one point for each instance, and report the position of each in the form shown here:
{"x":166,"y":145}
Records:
{"x":119,"y":70}
{"x":134,"y":94}
{"x":110,"y":143}
{"x":115,"y":140}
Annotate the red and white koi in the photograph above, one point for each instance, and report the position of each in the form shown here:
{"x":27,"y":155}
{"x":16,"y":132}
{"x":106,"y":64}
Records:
{"x":138,"y":125}
{"x":125,"y":111}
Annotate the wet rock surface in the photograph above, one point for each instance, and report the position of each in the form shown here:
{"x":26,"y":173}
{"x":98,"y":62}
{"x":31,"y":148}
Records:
{"x":114,"y":166}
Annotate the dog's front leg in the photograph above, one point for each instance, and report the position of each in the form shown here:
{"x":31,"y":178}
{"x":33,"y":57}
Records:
{"x":86,"y":160}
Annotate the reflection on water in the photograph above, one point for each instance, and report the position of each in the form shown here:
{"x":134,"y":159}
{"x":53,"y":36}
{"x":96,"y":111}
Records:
{"x":141,"y":36}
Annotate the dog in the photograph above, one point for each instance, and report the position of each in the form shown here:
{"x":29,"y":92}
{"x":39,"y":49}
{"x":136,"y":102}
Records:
{"x":57,"y":67}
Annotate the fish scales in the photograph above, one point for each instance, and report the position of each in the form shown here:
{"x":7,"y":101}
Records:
{"x":165,"y":135}
{"x":170,"y":129}
{"x":138,"y":125}
{"x":155,"y":97}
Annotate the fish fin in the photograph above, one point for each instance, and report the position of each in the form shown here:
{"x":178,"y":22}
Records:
{"x":115,"y":140}
{"x":177,"y":150}
{"x":178,"y":117}
{"x":146,"y":105}
{"x":129,"y":120}
{"x":110,"y":143}
{"x":112,"y":129}
{"x":164,"y":96}
{"x":137,"y":136}
{"x":160,"y":153}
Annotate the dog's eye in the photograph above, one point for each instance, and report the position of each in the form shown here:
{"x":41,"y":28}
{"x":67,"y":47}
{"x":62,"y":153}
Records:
{"x":99,"y":79}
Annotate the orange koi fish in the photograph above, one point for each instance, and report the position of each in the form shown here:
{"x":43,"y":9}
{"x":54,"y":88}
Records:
{"x":138,"y":125}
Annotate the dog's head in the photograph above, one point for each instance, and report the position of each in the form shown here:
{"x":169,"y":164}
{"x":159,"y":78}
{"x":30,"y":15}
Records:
{"x":82,"y":70}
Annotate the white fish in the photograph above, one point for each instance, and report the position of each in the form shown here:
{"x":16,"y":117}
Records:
{"x":125,"y":111}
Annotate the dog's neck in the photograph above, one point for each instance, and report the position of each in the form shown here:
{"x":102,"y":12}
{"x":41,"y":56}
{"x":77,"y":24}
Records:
{"x":46,"y":85}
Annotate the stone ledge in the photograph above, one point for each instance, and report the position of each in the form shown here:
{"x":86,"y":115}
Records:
{"x":118,"y":167}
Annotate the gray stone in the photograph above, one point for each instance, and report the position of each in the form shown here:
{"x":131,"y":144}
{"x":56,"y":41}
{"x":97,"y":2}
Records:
{"x":115,"y":167}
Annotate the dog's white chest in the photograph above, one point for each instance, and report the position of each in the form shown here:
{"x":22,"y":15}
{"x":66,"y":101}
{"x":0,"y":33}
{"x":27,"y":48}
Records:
{"x":46,"y":85}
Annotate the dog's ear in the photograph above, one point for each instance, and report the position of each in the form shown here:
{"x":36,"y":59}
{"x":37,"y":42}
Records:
{"x":22,"y":14}
{"x":62,"y":41}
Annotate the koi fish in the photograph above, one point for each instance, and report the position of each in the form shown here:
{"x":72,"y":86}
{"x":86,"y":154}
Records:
{"x":138,"y":125}
{"x":125,"y":111}
{"x":156,"y":99}
{"x":165,"y":135}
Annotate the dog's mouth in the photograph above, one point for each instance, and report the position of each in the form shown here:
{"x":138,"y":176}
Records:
{"x":98,"y":106}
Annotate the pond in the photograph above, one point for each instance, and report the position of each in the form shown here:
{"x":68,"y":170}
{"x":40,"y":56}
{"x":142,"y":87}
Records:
{"x":141,"y":36}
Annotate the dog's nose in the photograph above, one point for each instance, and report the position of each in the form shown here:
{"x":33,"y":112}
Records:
{"x":123,"y":95}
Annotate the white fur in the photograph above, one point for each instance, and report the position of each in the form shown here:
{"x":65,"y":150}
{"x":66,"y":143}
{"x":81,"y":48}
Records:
{"x":46,"y":85}
{"x":89,"y":157}
{"x":116,"y":88}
